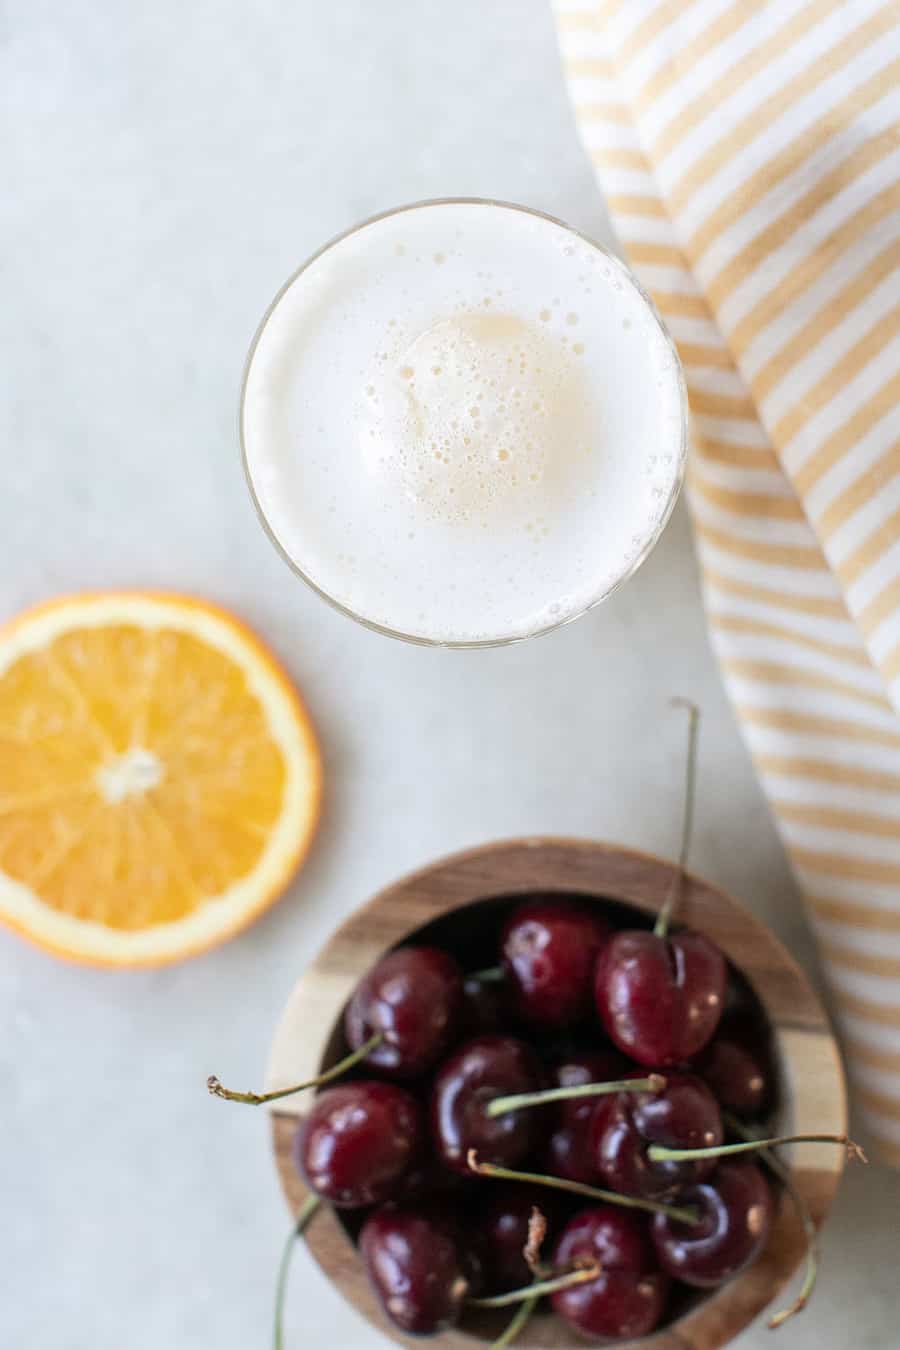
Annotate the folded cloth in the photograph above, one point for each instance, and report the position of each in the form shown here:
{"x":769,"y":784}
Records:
{"x":749,"y":152}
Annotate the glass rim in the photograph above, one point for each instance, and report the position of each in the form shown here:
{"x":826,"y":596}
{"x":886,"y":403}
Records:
{"x":652,"y":539}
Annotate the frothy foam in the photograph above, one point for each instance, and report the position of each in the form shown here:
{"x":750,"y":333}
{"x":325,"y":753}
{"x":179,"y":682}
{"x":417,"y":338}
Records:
{"x":463,"y":423}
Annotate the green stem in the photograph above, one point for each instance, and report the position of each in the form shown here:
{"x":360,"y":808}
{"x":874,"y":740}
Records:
{"x":257,"y":1098}
{"x":777,"y":1167}
{"x":664,"y":917}
{"x":500,"y":1105}
{"x":659,"y":1153}
{"x":539,"y":1288}
{"x":307,"y":1210}
{"x":579,"y":1188}
{"x":812,"y":1268}
{"x":517,"y":1322}
{"x":490,"y":975}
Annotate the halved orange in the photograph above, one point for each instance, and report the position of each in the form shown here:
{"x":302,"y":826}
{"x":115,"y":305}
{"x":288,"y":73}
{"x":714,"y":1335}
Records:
{"x":159,"y":777}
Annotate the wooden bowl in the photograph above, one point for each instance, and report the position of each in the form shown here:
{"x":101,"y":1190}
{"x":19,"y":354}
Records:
{"x":811,"y":1090}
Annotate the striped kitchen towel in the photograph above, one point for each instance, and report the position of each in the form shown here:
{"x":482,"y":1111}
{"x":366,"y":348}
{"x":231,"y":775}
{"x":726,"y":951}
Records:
{"x":749,"y":151}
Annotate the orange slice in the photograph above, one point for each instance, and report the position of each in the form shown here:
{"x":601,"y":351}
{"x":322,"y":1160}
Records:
{"x":159,"y":777}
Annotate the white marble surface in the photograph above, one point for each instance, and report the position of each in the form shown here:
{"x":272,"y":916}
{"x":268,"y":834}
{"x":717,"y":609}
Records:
{"x":166,"y":166}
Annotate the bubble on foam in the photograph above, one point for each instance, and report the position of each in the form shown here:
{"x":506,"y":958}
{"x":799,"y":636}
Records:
{"x":505,"y":450}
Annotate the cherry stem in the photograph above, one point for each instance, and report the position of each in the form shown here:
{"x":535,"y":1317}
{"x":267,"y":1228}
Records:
{"x":583,"y":1275}
{"x":812,"y":1265}
{"x":257,"y":1098}
{"x":658,"y":1153}
{"x":517,"y":1322}
{"x":490,"y":975}
{"x":682,"y":1215}
{"x":500,"y":1105}
{"x":777,"y":1167}
{"x":537,"y":1233}
{"x":664,"y":917}
{"x":306,"y":1212}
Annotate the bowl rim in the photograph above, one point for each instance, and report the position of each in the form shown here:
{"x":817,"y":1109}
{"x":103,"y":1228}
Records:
{"x":812,"y":1079}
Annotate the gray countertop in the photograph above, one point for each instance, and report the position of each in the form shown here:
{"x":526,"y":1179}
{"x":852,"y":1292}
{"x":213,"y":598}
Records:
{"x":168,"y":166}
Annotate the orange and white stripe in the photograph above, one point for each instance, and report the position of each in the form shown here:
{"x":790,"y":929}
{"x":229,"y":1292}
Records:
{"x":750,"y":157}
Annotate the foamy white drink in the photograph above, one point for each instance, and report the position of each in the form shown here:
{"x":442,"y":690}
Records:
{"x":463,"y":422}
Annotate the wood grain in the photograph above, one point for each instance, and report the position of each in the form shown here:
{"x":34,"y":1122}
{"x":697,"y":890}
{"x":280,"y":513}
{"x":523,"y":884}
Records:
{"x":812,"y":1088}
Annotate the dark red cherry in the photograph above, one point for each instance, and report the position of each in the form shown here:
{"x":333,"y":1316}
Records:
{"x":488,"y":1067}
{"x":485,"y":1006}
{"x":660,"y":998}
{"x":734,"y":1209}
{"x":416,"y":1268}
{"x":628,"y":1298}
{"x":499,"y":1226}
{"x":684,"y":1115}
{"x":570,"y":1148}
{"x":358,"y":1141}
{"x":549,"y":947}
{"x":428,"y":1182}
{"x":737,"y":1065}
{"x":413,"y":997}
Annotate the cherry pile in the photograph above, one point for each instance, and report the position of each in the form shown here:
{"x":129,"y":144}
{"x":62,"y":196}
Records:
{"x":593,"y":1076}
{"x":451,"y":1105}
{"x":551,"y":1126}
{"x":554,"y":1125}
